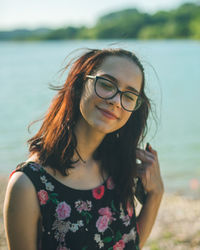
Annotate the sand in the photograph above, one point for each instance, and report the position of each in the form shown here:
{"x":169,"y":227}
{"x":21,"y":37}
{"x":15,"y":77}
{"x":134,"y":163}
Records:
{"x":177,"y":226}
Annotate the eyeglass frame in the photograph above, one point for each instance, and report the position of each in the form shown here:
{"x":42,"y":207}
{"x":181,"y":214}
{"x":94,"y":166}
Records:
{"x":118,"y":91}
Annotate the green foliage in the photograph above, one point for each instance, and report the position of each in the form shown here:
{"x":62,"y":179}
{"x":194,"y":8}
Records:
{"x":183,"y":22}
{"x":122,"y":24}
{"x":194,"y":27}
{"x":63,"y":33}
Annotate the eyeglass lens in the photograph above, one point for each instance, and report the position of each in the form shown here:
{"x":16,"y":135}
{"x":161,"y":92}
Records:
{"x":106,"y":89}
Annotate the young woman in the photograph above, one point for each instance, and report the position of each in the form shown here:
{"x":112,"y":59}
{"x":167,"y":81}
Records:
{"x":77,"y":189}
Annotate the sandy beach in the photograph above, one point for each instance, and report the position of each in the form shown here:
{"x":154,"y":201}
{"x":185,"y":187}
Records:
{"x":177,"y":226}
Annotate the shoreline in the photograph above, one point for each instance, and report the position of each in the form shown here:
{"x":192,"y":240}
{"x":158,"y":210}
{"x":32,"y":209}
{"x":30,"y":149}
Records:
{"x":177,"y":225}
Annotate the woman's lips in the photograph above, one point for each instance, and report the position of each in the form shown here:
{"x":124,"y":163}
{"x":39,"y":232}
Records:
{"x":107,"y":114}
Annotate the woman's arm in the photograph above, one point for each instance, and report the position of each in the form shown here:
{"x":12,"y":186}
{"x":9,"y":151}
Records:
{"x":21,"y":213}
{"x":149,"y":172}
{"x":147,"y":216}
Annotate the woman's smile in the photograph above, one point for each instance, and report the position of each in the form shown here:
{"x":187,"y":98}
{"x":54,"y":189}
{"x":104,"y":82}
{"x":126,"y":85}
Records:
{"x":107,"y":114}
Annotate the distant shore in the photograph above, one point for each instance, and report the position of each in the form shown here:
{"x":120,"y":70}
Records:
{"x":177,"y":226}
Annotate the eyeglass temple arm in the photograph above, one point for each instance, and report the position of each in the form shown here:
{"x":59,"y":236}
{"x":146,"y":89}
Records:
{"x":91,"y":77}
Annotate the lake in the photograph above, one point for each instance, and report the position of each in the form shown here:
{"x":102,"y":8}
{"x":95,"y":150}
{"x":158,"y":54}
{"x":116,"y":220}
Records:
{"x":173,"y":83}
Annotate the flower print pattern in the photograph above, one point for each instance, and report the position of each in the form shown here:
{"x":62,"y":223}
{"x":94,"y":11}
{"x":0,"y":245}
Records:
{"x":110,"y":183}
{"x":130,"y":236}
{"x":125,"y":218}
{"x":98,"y":192}
{"x":97,"y":238}
{"x":34,"y":167}
{"x":120,"y":245}
{"x":43,"y":179}
{"x":75,"y":226}
{"x":48,"y":185}
{"x":102,"y":223}
{"x":129,"y":209}
{"x":95,"y":219}
{"x":63,"y":210}
{"x":105,"y":211}
{"x":105,"y":219}
{"x":83,"y":205}
{"x":61,"y":228}
{"x":135,"y":180}
{"x":43,"y":197}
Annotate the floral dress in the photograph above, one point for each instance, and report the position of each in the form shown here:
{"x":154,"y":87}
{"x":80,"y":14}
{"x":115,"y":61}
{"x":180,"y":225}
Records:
{"x":75,"y":219}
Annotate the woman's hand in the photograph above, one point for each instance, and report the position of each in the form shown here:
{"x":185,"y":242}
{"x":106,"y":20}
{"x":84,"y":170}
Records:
{"x":149,"y":171}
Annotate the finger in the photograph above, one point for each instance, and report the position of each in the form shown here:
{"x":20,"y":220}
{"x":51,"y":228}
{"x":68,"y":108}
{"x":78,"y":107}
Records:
{"x":154,"y":152}
{"x":148,"y":174}
{"x":144,"y":152}
{"x":145,"y":156}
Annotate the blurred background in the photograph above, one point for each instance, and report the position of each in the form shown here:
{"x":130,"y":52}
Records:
{"x":36,"y":37}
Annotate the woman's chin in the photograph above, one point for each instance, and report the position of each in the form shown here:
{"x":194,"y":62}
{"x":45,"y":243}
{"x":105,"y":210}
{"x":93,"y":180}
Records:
{"x":103,"y":128}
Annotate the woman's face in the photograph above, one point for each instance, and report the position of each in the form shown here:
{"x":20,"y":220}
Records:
{"x":107,"y":116}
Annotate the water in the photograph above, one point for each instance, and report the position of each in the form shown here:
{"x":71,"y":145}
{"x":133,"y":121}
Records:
{"x":26,"y":69}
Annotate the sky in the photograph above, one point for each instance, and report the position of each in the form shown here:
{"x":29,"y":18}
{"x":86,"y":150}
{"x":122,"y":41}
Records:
{"x":59,"y":13}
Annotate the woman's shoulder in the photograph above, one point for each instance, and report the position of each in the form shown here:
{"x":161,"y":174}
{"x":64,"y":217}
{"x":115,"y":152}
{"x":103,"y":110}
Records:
{"x":26,"y":176}
{"x":20,"y":181}
{"x":20,"y":178}
{"x":21,"y":190}
{"x":21,"y":204}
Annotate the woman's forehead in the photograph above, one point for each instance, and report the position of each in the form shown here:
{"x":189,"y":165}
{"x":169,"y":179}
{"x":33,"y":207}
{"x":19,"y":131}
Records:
{"x":122,"y":63}
{"x":123,"y":69}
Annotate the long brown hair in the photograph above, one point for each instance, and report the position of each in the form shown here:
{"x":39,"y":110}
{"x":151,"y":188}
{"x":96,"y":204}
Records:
{"x":55,"y":142}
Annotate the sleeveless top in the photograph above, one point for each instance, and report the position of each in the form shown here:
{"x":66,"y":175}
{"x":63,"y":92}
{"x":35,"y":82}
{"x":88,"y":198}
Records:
{"x":75,"y":219}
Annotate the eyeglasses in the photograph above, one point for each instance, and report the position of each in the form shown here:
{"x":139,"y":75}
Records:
{"x":107,"y":89}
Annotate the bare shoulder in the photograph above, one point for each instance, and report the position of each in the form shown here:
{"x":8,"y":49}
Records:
{"x":20,"y":190}
{"x":21,"y":209}
{"x":20,"y":182}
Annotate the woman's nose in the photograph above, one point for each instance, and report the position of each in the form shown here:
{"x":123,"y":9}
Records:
{"x":116,"y":100}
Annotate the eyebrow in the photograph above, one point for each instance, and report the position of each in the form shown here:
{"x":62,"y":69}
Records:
{"x":112,"y":78}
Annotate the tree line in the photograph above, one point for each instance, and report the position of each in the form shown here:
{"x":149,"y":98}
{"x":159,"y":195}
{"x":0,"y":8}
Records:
{"x":180,"y":23}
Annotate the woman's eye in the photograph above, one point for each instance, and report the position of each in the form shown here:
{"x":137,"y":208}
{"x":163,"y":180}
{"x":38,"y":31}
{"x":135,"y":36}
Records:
{"x":106,"y":85}
{"x":129,"y":97}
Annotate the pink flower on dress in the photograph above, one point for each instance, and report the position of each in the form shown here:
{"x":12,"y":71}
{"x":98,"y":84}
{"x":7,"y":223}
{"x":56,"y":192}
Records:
{"x":63,"y":210}
{"x":102,"y":223}
{"x":120,"y":245}
{"x":43,"y":197}
{"x":98,"y":192}
{"x":110,"y":183}
{"x":129,"y":209}
{"x":105,"y":211}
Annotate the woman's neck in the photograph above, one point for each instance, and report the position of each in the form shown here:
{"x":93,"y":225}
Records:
{"x":88,"y":139}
